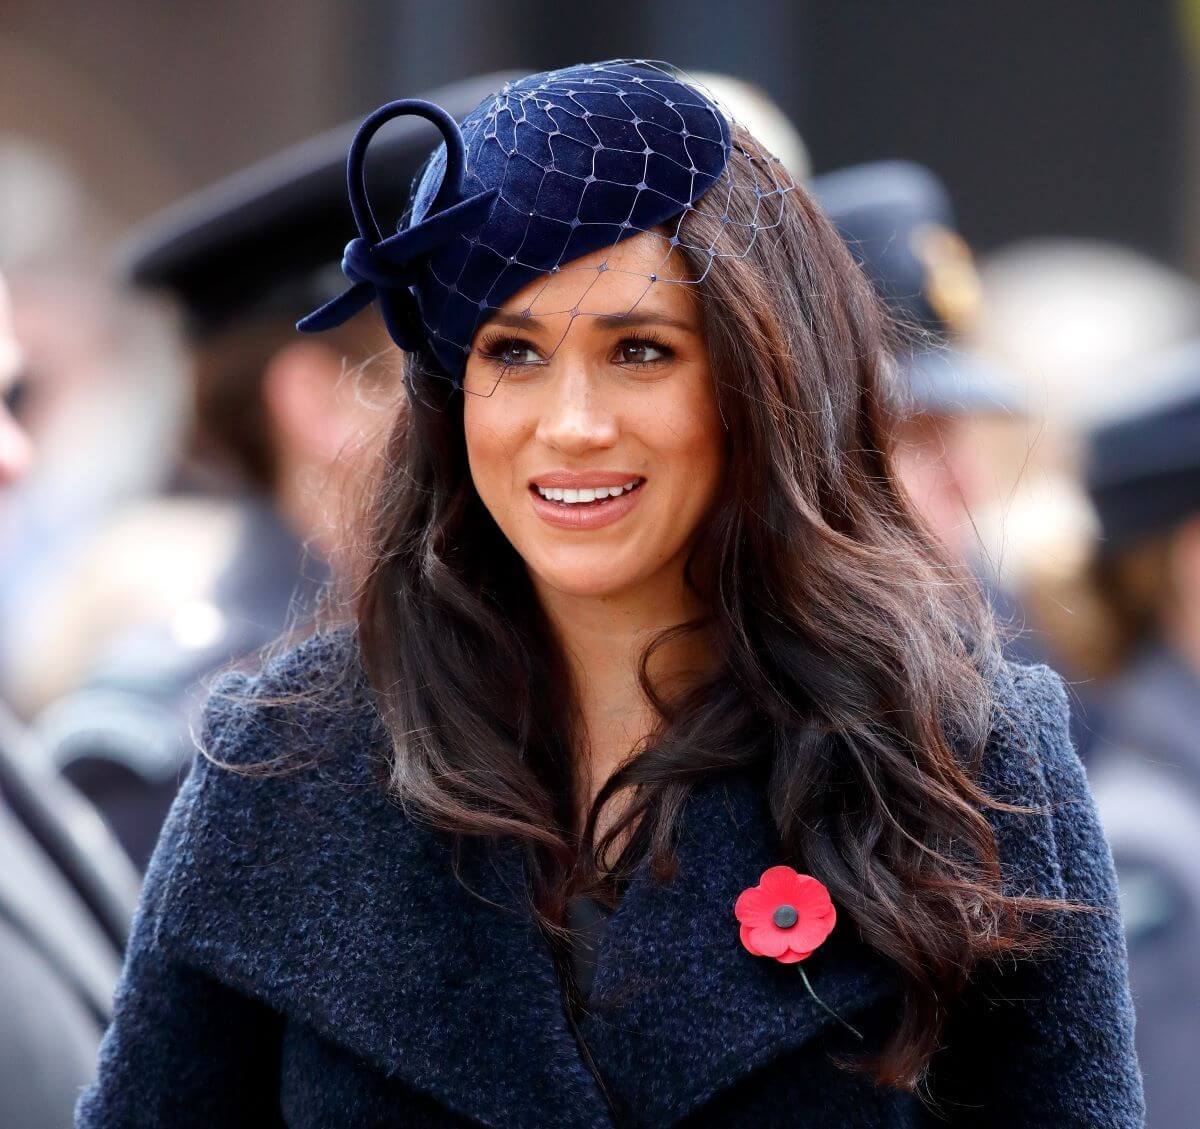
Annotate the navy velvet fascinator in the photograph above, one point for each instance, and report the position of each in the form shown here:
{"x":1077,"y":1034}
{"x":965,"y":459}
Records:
{"x":552,"y":167}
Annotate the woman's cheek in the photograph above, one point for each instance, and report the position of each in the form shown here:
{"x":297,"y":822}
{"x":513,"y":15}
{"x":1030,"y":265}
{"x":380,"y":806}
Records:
{"x":693,"y":440}
{"x":491,"y":464}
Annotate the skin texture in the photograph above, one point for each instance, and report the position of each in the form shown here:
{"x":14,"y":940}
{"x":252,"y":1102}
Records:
{"x":590,"y":393}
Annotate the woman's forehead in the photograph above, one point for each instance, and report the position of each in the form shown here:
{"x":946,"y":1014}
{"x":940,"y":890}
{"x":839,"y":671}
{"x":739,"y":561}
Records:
{"x":641,"y":274}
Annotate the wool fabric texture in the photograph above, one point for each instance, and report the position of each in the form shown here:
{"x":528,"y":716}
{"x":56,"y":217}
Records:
{"x":303,"y":955}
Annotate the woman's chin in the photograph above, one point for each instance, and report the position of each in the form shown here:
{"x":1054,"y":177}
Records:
{"x":595,"y":581}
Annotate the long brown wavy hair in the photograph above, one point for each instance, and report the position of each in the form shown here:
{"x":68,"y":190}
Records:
{"x":857,"y":658}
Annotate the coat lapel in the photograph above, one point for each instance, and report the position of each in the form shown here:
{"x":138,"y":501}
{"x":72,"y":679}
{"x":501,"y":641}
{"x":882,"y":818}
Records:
{"x":680,"y":1010}
{"x":318,"y":896}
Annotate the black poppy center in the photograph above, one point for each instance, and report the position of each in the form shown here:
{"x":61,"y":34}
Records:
{"x":785,"y":917}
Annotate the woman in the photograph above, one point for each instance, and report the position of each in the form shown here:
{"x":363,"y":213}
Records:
{"x":650,"y":661}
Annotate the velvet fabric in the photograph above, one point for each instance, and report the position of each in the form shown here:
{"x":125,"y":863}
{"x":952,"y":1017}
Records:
{"x":303,"y":955}
{"x":552,"y":167}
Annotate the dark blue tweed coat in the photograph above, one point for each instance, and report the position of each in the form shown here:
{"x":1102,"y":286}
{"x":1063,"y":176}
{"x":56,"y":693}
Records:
{"x":304,"y":956}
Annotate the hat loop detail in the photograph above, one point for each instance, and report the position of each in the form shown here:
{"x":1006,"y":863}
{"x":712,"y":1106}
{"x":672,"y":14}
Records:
{"x":356,"y":159}
{"x":387,"y":268}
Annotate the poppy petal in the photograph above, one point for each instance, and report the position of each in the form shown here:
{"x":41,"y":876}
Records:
{"x":792,"y":958}
{"x":753,"y":907}
{"x":813,"y":896}
{"x":768,"y":941}
{"x":808,"y":933}
{"x":780,"y":884}
{"x":747,"y":938}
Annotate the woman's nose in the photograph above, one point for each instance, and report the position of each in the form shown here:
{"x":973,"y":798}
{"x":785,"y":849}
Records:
{"x":574,"y":415}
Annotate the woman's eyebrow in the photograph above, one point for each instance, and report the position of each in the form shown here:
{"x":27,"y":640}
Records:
{"x":644,"y":318}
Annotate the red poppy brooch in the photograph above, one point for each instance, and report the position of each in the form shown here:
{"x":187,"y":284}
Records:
{"x":787,"y":917}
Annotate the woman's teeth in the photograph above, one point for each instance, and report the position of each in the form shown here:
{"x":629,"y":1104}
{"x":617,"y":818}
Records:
{"x":588,"y":494}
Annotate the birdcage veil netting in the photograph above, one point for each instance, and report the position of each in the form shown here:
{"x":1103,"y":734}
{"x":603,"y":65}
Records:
{"x":529,"y":206}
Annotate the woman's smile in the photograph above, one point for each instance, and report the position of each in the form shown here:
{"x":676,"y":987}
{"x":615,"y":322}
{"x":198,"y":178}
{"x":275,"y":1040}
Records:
{"x":586,"y":507}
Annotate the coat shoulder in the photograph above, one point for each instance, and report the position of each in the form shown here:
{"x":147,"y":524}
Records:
{"x":308,"y":701}
{"x":1030,"y":739}
{"x":291,"y":766}
{"x":299,"y":739}
{"x":1030,"y":760}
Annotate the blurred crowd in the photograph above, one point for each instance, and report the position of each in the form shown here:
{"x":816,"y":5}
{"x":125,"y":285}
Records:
{"x":179,"y":472}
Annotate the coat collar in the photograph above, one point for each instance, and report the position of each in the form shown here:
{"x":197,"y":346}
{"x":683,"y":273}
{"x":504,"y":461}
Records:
{"x":680,"y":1010}
{"x":317,"y":895}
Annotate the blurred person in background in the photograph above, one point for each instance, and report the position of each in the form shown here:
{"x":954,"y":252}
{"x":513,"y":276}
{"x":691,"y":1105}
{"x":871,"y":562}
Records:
{"x":66,"y":891}
{"x":281,"y":427}
{"x":897,"y":219}
{"x":1073,"y":321}
{"x":102,"y":401}
{"x":1143,"y":478}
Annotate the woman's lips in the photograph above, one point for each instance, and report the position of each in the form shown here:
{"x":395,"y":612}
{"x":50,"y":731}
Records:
{"x":585,"y":515}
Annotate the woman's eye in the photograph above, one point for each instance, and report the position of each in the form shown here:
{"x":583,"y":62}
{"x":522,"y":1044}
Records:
{"x":641,"y":352}
{"x":512,"y":353}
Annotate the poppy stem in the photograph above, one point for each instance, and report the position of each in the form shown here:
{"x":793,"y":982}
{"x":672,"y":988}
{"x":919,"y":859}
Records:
{"x":824,"y":1006}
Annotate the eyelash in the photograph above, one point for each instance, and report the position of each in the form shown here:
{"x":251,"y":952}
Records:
{"x":493,"y":348}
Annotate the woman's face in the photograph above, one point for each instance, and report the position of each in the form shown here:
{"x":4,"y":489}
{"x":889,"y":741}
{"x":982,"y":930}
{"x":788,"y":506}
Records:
{"x":585,"y":382}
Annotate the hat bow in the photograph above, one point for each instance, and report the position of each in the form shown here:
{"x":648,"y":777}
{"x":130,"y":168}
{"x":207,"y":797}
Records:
{"x":387,"y":268}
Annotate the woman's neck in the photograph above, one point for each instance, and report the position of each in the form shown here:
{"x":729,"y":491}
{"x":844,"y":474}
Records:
{"x":603,"y":639}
